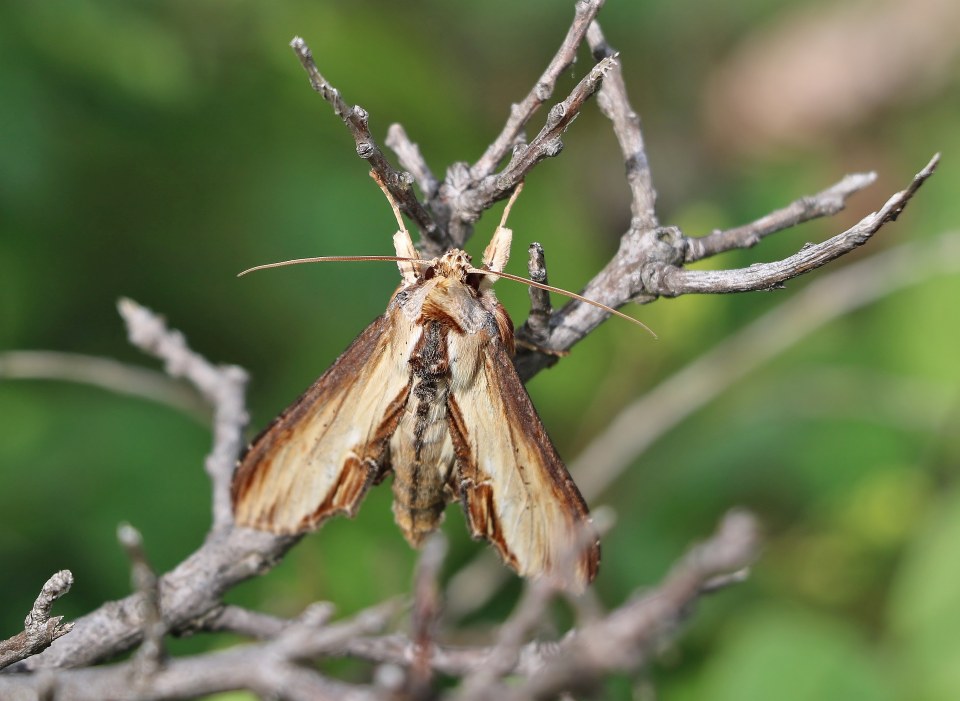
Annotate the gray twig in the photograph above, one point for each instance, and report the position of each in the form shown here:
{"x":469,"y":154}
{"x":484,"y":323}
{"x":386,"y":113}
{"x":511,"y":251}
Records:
{"x":427,"y":605}
{"x":356,"y":119}
{"x":223,"y":386}
{"x":535,"y":329}
{"x":40,"y":629}
{"x":649,"y":265}
{"x":625,"y":639}
{"x":151,"y":653}
{"x":106,"y":373}
{"x":520,"y":113}
{"x":408,"y":153}
{"x":613,"y":102}
{"x":671,"y":281}
{"x":825,"y":203}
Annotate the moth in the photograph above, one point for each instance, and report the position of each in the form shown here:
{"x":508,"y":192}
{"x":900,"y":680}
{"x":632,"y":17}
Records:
{"x":428,"y":392}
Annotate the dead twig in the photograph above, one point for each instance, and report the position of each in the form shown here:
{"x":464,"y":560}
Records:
{"x":223,"y":387}
{"x":356,"y":119}
{"x":40,"y":629}
{"x":825,"y":203}
{"x":614,"y":103}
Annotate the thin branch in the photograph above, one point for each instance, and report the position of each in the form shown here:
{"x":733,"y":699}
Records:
{"x":39,"y":628}
{"x":427,"y":604}
{"x":268,"y":668}
{"x":241,"y":621}
{"x":462,"y":198}
{"x":672,"y":281}
{"x":223,"y":386}
{"x":520,"y":113}
{"x":614,"y":103}
{"x":106,"y":373}
{"x":151,"y":653}
{"x":825,"y":203}
{"x":547,"y":143}
{"x":626,"y":638}
{"x":356,"y":119}
{"x":648,"y":265}
{"x":535,"y":328}
{"x":408,"y":153}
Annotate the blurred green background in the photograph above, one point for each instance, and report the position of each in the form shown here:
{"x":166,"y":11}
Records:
{"x":153,"y":150}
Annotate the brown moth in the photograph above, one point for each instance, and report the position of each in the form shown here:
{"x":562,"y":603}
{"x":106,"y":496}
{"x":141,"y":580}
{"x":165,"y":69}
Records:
{"x":427,"y":391}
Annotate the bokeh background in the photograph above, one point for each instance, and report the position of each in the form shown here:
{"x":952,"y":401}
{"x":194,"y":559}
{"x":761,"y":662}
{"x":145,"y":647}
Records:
{"x":152,"y":150}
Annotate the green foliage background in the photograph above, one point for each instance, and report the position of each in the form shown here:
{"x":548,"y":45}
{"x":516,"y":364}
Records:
{"x":152,"y":150}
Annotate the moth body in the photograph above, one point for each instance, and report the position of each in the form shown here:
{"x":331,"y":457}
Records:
{"x":428,"y":392}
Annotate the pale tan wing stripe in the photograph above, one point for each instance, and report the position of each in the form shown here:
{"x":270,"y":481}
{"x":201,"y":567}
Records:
{"x":515,"y":490}
{"x":320,"y":455}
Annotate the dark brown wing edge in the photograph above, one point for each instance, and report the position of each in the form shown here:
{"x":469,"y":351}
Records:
{"x":356,"y":475}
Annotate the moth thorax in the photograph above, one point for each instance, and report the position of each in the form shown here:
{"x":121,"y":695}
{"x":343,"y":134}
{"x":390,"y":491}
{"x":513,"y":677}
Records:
{"x":454,"y":263}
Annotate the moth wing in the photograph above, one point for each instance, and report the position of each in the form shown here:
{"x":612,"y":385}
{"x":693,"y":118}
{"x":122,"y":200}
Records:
{"x":514,"y":488}
{"x":320,"y":456}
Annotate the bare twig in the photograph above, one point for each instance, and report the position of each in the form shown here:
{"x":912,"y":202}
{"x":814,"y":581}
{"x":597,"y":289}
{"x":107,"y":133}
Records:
{"x":39,"y":628}
{"x":520,"y":113}
{"x":535,"y":328}
{"x":356,"y":119}
{"x":614,"y":103}
{"x":235,"y":619}
{"x":625,"y":638}
{"x":547,"y":143}
{"x":106,"y":373}
{"x":408,"y":153}
{"x":223,"y":386}
{"x":825,"y":203}
{"x":268,"y":668}
{"x":671,"y":281}
{"x":150,"y":655}
{"x":648,"y":265}
{"x":427,"y":604}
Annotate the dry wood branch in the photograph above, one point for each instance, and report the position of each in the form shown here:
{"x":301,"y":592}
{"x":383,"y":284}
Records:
{"x":520,"y":113}
{"x":107,"y":374}
{"x":546,"y":143}
{"x":427,"y":604}
{"x":613,"y":102}
{"x":223,"y":387}
{"x":39,"y":628}
{"x":671,"y":281}
{"x":533,"y":333}
{"x":356,"y":119}
{"x":269,"y":668}
{"x":649,"y":264}
{"x":825,"y":203}
{"x":408,"y":153}
{"x":625,"y":639}
{"x":151,"y":653}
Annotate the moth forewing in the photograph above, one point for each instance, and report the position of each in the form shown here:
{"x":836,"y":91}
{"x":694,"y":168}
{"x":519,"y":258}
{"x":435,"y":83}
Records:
{"x":320,"y":455}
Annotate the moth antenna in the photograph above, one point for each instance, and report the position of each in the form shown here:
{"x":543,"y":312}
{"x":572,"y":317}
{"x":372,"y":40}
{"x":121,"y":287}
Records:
{"x":393,"y":203}
{"x":506,"y":210}
{"x":334,"y":259}
{"x":565,"y":293}
{"x":402,"y":242}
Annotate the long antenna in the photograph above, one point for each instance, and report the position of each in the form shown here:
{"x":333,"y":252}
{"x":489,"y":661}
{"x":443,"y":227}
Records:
{"x":332,"y":259}
{"x":565,"y":293}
